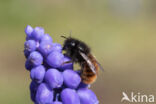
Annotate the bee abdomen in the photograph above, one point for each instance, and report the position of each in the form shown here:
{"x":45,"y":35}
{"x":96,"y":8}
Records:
{"x":88,"y":76}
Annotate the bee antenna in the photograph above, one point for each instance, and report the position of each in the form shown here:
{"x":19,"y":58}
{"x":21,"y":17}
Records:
{"x":64,"y":36}
{"x":70,"y":33}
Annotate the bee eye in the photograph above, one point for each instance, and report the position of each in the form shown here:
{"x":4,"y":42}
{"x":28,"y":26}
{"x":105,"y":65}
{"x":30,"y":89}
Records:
{"x":72,"y":44}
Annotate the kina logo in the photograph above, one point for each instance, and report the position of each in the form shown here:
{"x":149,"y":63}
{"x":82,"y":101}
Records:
{"x":138,"y":97}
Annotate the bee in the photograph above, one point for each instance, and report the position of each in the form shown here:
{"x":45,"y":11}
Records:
{"x":79,"y":52}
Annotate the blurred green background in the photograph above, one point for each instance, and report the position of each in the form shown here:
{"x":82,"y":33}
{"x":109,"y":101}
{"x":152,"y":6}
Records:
{"x":122,"y":34}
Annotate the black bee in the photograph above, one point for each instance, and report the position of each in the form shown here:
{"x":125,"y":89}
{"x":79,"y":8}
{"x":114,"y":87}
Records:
{"x":80,"y":53}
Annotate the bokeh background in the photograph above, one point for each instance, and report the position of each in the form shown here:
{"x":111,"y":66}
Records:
{"x":122,"y":34}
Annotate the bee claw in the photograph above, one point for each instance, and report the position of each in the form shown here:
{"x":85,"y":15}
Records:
{"x":67,"y":62}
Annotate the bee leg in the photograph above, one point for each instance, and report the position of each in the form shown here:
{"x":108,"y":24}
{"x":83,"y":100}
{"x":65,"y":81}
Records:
{"x":67,"y":62}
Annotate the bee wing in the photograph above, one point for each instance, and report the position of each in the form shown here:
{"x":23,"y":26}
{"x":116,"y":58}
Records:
{"x":92,"y":67}
{"x":99,"y":64}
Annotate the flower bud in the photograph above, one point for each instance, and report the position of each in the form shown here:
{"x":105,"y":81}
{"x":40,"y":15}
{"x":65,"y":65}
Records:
{"x":28,"y":31}
{"x":71,"y":79}
{"x":44,"y":95}
{"x":69,"y":96}
{"x":87,"y":96}
{"x":65,"y":66}
{"x":35,"y":58}
{"x":37,"y":33}
{"x":53,"y":78}
{"x":37,"y":73}
{"x":57,"y":47}
{"x":55,"y":59}
{"x":30,"y":45}
{"x":57,"y":102}
{"x":45,"y":47}
{"x":33,"y":89}
{"x":46,"y":37}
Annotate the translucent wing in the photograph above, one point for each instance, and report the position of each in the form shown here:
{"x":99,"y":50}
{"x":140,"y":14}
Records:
{"x":92,"y":67}
{"x":99,"y":64}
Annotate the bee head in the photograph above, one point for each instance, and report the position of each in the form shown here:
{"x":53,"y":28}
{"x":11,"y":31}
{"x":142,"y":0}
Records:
{"x":69,"y":43}
{"x":74,"y":46}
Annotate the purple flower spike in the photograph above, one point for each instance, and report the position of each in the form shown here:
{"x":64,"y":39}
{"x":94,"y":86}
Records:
{"x":71,"y":79}
{"x":54,"y":81}
{"x":30,"y":45}
{"x":69,"y":96}
{"x":57,"y":102}
{"x":54,"y":78}
{"x":55,"y":59}
{"x":35,"y":58}
{"x":37,"y":33}
{"x":44,"y":95}
{"x":46,"y":38}
{"x":28,"y":31}
{"x":87,"y":96}
{"x":66,"y":65}
{"x":45,"y":47}
{"x":37,"y":73}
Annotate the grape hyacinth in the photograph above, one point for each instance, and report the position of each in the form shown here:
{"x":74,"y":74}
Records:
{"x":52,"y":81}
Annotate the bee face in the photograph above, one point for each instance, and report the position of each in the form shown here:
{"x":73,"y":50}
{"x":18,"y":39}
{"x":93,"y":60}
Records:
{"x":69,"y":45}
{"x":72,"y":44}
